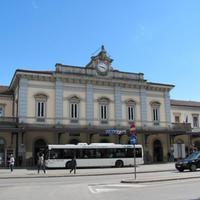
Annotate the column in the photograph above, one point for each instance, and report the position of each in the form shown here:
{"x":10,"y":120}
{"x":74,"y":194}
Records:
{"x":59,"y":102}
{"x":167,"y":108}
{"x":22,"y":100}
{"x":118,"y":106}
{"x":89,"y":104}
{"x":143,"y":107}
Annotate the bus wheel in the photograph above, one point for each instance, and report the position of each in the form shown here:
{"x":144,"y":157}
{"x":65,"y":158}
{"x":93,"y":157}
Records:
{"x":67,"y":165}
{"x":119,"y":163}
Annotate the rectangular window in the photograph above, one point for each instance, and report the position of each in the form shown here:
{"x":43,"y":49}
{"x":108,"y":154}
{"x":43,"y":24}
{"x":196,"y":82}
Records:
{"x":1,"y":111}
{"x":103,"y":112}
{"x":131,"y":113}
{"x":155,"y":116}
{"x":40,"y":110}
{"x":195,"y":122}
{"x":74,"y":111}
{"x":177,"y":119}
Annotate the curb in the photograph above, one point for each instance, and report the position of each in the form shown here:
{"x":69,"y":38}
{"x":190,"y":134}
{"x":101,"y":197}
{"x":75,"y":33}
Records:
{"x":159,"y":180}
{"x":11,"y":176}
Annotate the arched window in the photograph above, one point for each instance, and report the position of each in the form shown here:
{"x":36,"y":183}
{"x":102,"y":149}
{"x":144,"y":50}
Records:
{"x":74,"y":109}
{"x":103,"y":110}
{"x":40,"y":107}
{"x":155,"y":107}
{"x":2,"y":110}
{"x":130,"y":107}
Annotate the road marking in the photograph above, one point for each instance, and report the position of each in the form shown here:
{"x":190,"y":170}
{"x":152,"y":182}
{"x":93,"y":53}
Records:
{"x":100,"y":188}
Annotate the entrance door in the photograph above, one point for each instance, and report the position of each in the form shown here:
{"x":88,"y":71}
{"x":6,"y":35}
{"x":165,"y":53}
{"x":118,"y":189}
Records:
{"x":197,"y":145}
{"x":74,"y":141}
{"x":157,"y":151}
{"x":39,"y":146}
{"x":2,"y":153}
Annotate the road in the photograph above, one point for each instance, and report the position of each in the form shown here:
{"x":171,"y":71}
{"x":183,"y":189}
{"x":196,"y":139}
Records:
{"x":97,"y":187}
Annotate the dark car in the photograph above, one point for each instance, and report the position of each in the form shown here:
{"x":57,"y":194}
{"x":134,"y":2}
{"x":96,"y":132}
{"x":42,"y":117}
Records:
{"x":192,"y":162}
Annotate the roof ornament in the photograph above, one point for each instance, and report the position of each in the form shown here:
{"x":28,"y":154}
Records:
{"x":102,"y":48}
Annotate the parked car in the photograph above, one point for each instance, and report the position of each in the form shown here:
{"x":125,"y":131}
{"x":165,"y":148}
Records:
{"x":192,"y":162}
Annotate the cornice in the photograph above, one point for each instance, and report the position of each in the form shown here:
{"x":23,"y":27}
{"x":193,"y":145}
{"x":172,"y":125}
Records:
{"x":6,"y":97}
{"x":112,"y":80}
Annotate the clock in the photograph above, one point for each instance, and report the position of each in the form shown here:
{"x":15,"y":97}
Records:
{"x":102,"y":67}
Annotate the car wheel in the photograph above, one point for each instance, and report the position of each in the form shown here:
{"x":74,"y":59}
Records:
{"x":119,"y":163}
{"x":193,"y":168}
{"x":181,"y":170}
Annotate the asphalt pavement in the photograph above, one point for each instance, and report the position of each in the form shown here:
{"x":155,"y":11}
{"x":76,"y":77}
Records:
{"x":141,"y":169}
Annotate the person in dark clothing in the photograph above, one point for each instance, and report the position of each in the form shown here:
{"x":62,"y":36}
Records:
{"x":73,"y":165}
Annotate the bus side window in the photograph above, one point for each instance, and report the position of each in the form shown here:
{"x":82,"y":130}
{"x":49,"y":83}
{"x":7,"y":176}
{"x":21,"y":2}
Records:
{"x":130,"y":153}
{"x":68,"y":153}
{"x":52,"y":154}
{"x":138,"y":153}
{"x":92,"y":153}
{"x":86,"y":153}
{"x":110,"y":153}
{"x":78,"y":153}
{"x":98,"y":154}
{"x":120,"y":153}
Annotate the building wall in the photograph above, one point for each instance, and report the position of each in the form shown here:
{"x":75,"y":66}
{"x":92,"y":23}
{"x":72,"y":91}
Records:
{"x":156,"y":97}
{"x":185,"y":114}
{"x":88,"y":85}
{"x":69,"y":91}
{"x":131,"y":94}
{"x":41,"y":87}
{"x":7,"y":103}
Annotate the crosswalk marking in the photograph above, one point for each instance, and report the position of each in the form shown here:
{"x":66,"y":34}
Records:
{"x":100,"y":188}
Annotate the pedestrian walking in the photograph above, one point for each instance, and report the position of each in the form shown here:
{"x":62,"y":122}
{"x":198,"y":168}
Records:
{"x":73,"y":165}
{"x":11,"y":162}
{"x":41,"y":163}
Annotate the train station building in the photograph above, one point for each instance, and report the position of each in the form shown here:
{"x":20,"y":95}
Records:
{"x":81,"y":104}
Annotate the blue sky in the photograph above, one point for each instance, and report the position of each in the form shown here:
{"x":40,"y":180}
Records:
{"x":160,"y":38}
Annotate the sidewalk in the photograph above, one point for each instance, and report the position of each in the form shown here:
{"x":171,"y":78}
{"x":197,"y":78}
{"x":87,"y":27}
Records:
{"x":144,"y":173}
{"x":31,"y":173}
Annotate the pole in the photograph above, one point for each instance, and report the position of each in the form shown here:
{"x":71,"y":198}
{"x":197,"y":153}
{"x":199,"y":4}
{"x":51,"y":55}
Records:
{"x":134,"y":162}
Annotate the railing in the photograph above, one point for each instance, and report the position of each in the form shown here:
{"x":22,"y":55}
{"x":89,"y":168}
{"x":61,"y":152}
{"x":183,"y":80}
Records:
{"x":82,"y":123}
{"x":182,"y":126}
{"x":8,"y":120}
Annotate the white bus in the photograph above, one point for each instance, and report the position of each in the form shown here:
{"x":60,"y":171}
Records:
{"x":93,"y":155}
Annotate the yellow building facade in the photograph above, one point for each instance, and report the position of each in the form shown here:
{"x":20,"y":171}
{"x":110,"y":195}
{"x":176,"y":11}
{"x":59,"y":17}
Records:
{"x":79,"y":104}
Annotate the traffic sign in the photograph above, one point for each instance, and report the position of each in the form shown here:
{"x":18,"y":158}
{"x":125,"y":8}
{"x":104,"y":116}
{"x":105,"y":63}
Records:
{"x":133,"y":140}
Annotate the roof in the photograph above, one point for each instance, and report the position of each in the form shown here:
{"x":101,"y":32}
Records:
{"x":184,"y":103}
{"x":5,"y":90}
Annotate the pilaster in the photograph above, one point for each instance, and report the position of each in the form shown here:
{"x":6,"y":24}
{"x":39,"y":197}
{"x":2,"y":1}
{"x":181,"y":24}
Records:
{"x":167,"y":108}
{"x":23,"y":96}
{"x":118,"y":106}
{"x":59,"y":101}
{"x":143,"y":106}
{"x":89,"y":104}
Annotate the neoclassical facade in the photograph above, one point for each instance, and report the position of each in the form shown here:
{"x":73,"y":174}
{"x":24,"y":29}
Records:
{"x":74,"y":104}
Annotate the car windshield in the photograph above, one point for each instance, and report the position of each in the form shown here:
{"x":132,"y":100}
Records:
{"x":194,"y":155}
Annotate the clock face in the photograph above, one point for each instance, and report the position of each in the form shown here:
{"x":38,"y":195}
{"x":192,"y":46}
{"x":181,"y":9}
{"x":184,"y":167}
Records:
{"x":102,"y":67}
